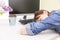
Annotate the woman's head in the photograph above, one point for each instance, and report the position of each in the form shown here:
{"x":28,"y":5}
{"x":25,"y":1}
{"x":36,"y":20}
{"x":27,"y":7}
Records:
{"x":41,"y":14}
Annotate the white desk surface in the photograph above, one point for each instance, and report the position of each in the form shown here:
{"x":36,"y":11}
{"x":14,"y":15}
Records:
{"x":13,"y":33}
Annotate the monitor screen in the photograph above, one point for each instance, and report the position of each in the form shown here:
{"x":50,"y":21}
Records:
{"x":24,"y":6}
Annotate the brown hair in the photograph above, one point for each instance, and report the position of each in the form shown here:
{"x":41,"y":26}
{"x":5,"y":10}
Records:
{"x":39,"y":13}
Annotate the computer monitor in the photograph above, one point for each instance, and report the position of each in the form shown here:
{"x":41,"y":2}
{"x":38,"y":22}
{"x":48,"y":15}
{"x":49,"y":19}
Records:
{"x":24,"y":6}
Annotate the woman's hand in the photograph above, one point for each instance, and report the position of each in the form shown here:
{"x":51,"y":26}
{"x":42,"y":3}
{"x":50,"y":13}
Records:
{"x":23,"y":30}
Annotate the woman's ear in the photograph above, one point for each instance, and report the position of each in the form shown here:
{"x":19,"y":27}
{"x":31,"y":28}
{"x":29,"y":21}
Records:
{"x":45,"y":12}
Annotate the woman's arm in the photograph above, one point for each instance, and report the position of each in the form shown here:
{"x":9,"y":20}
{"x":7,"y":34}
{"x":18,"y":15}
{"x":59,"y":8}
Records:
{"x":34,"y":28}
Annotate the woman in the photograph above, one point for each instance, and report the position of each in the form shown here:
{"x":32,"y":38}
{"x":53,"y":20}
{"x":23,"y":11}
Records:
{"x":51,"y":22}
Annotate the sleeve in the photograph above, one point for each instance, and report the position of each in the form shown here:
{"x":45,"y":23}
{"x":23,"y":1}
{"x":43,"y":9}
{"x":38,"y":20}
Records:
{"x":28,"y":29}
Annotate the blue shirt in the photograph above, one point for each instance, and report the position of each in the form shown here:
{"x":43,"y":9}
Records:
{"x":52,"y":22}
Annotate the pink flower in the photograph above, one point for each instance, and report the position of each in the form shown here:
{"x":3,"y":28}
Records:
{"x":7,"y":8}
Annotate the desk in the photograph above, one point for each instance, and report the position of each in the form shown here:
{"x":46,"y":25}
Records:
{"x":13,"y":33}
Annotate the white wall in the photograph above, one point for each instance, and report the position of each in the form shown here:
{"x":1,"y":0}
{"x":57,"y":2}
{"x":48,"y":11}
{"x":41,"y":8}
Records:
{"x":50,"y":4}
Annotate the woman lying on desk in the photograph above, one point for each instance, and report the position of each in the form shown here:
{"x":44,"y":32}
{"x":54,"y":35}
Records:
{"x":51,"y":22}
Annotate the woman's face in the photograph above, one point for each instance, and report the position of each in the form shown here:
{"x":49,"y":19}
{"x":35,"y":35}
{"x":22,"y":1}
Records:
{"x":42,"y":16}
